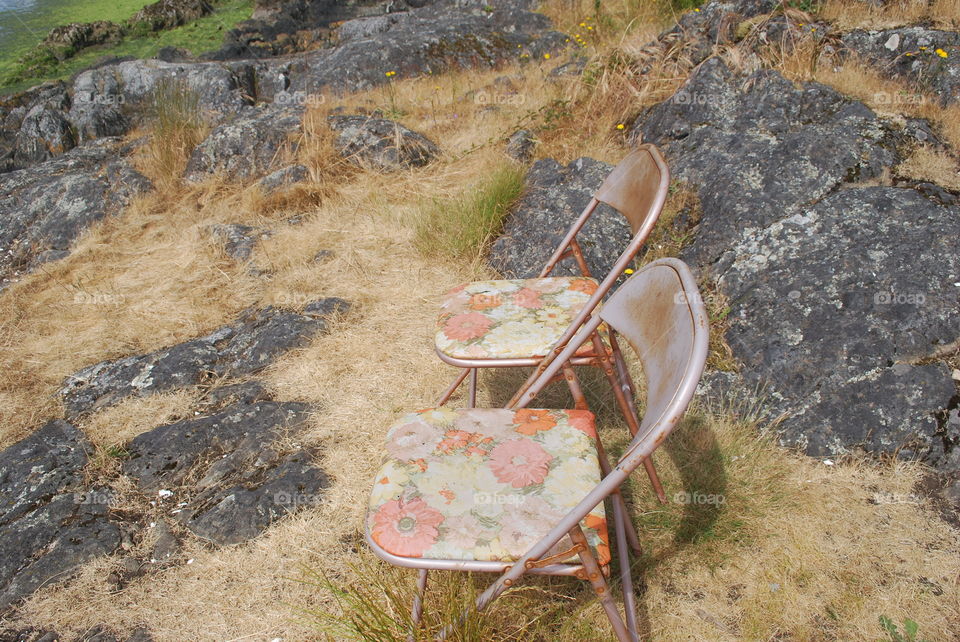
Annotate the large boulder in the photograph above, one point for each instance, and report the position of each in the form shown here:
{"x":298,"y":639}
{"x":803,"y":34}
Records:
{"x":50,"y":521}
{"x":555,"y":195}
{"x":839,"y":293}
{"x":237,"y":349}
{"x":380,"y":143}
{"x":247,"y":146}
{"x":167,"y":14}
{"x":44,"y":134}
{"x":48,"y":205}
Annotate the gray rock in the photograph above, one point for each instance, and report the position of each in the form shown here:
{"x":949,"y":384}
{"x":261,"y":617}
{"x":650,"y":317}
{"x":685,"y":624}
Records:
{"x":380,"y":143}
{"x":555,"y":195}
{"x":44,"y":134}
{"x":756,"y":148}
{"x":284,"y":177}
{"x":898,"y":53}
{"x":166,"y":546}
{"x":167,"y":14}
{"x":238,"y":240}
{"x":244,"y":347}
{"x":48,"y":205}
{"x":520,"y":145}
{"x":327,"y":307}
{"x":248,"y":145}
{"x":50,"y":523}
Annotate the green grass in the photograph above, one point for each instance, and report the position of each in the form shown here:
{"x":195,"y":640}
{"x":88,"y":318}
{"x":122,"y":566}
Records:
{"x":203,"y":34}
{"x":462,"y":227}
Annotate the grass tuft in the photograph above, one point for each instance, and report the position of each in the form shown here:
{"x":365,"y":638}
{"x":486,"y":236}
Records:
{"x":177,"y":130}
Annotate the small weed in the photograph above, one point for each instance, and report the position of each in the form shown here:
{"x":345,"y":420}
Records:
{"x":909,"y":634}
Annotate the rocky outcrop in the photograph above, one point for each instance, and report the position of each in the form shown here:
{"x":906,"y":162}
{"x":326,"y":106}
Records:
{"x":928,"y":58}
{"x":238,"y":240}
{"x":50,"y":522}
{"x":836,"y":291}
{"x":555,"y":195}
{"x":248,"y":145}
{"x":380,"y":143}
{"x":167,"y":14}
{"x":283,"y":177}
{"x":47,"y":206}
{"x":237,"y":349}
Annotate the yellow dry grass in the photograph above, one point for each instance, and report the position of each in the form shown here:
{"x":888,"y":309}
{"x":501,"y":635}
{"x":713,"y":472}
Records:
{"x":928,"y":164}
{"x":844,"y":14}
{"x":799,"y":550}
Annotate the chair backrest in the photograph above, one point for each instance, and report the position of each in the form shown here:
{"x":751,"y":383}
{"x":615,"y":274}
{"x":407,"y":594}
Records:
{"x":661,"y":314}
{"x":634,"y":184}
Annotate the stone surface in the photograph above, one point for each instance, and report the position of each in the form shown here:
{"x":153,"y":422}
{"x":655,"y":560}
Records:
{"x":44,"y":134}
{"x":50,"y":523}
{"x":167,"y":14}
{"x":380,"y":143}
{"x":248,"y":145}
{"x":756,"y":148}
{"x":284,"y":177}
{"x":240,"y":348}
{"x":554,"y":197}
{"x":911,"y":53}
{"x":520,"y":145}
{"x":47,"y":206}
{"x":238,"y":240}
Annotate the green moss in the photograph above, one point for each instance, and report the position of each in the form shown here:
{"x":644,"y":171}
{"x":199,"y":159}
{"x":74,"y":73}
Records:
{"x":203,"y":34}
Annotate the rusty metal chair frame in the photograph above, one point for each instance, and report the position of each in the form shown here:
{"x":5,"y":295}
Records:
{"x":660,"y":313}
{"x":637,"y":188}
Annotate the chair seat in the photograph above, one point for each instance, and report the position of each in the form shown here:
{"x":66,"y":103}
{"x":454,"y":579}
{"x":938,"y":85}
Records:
{"x":510,"y":319}
{"x":485,"y":484}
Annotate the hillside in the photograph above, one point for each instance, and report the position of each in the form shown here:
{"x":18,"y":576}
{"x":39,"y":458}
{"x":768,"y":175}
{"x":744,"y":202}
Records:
{"x":221,"y":275}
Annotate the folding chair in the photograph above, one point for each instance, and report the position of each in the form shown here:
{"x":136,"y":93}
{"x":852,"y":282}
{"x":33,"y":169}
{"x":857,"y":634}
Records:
{"x":527,"y":322}
{"x":518,"y":491}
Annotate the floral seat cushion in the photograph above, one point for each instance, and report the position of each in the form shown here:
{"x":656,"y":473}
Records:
{"x":507,"y":319}
{"x":485,"y":484}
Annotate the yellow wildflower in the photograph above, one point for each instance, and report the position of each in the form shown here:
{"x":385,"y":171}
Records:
{"x":941,"y":53}
{"x":628,"y":270}
{"x":620,"y":125}
{"x":546,"y":56}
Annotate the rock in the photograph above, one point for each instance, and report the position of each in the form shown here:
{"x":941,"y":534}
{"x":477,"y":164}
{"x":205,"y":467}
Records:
{"x":49,"y":522}
{"x":48,"y":205}
{"x":554,"y":197}
{"x":79,"y":35}
{"x":246,"y":146}
{"x":380,"y":143}
{"x":237,"y":349}
{"x":911,"y":53}
{"x":244,"y":511}
{"x":327,"y":307}
{"x":91,"y":120}
{"x":754,"y":147}
{"x":714,"y":24}
{"x":165,"y":456}
{"x":239,"y":240}
{"x":167,"y":14}
{"x":44,"y":134}
{"x":283,"y":177}
{"x":834,"y":293}
{"x":520,"y":145}
{"x":166,"y":546}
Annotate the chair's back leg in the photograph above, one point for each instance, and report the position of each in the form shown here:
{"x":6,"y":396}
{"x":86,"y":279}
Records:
{"x":579,"y":400}
{"x":417,"y":611}
{"x":453,"y":386}
{"x":473,"y":387}
{"x":600,"y":587}
{"x":626,"y":580}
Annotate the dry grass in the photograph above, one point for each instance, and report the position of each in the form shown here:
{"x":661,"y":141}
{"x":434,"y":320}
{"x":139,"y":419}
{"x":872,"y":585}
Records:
{"x":798,"y":550}
{"x":929,"y":164}
{"x":845,"y":15}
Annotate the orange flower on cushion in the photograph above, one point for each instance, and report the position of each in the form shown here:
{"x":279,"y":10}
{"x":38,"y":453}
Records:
{"x":582,"y":420}
{"x":530,"y":422}
{"x":464,"y":327}
{"x":587,"y":286}
{"x":485,"y":301}
{"x":528,"y":298}
{"x":454,"y":440}
{"x":599,"y":524}
{"x":406,"y":528}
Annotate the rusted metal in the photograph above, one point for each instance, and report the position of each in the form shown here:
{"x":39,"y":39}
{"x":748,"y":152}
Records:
{"x":559,"y":557}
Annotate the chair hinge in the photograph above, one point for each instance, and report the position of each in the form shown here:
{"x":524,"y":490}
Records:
{"x":559,"y":557}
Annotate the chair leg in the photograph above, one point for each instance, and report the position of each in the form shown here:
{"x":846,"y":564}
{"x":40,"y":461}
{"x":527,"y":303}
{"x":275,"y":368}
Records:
{"x":626,"y":580}
{"x":600,"y":587}
{"x":579,"y":400}
{"x":473,"y":388}
{"x":618,"y":500}
{"x":417,"y":611}
{"x":453,"y":387}
{"x":655,"y":480}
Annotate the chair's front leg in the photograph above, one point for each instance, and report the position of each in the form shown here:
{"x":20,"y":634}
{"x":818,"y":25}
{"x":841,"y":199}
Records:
{"x":417,"y":611}
{"x":600,"y":587}
{"x":453,"y":386}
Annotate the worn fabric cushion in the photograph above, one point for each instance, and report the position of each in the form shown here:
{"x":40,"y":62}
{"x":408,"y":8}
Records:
{"x":485,"y":484}
{"x":520,"y":318}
